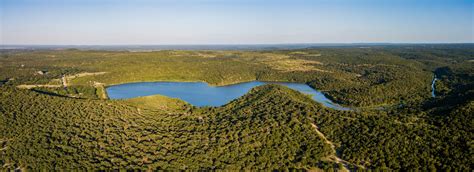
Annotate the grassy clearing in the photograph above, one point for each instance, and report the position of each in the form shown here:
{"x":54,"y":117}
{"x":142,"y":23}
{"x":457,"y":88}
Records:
{"x":158,"y":102}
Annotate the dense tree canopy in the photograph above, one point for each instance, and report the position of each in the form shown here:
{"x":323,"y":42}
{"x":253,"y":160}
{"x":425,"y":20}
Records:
{"x":395,"y":124}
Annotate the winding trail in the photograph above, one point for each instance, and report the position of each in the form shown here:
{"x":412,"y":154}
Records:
{"x":101,"y":87}
{"x":334,"y":157}
{"x":64,"y":81}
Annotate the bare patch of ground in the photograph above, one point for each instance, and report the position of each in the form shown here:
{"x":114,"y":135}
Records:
{"x":285,"y":63}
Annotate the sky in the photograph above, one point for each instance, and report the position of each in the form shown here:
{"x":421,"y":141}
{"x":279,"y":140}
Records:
{"x":142,"y":22}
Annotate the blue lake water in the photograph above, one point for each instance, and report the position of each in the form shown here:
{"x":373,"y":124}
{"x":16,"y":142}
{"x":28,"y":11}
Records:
{"x":433,"y":86}
{"x":201,"y":94}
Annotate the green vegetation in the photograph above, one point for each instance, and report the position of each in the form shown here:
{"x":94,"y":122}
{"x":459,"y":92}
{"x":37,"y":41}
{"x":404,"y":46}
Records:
{"x":351,"y":76}
{"x":64,"y":133}
{"x":76,"y":91}
{"x":163,"y":103}
{"x":398,"y":125}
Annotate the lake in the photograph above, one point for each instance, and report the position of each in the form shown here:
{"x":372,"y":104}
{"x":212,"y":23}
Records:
{"x":201,"y":94}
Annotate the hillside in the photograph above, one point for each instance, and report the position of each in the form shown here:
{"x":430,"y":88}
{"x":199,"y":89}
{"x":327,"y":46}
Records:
{"x":54,"y":111}
{"x":78,"y":133}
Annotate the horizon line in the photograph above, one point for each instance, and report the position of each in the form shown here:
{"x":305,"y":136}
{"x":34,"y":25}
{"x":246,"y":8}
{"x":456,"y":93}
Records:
{"x":217,"y":44}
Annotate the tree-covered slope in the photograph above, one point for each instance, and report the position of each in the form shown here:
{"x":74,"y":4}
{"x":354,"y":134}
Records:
{"x":42,"y":131}
{"x":395,"y":124}
{"x":271,"y":127}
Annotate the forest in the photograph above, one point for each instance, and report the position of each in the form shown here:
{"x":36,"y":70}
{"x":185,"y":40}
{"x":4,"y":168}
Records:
{"x":55,"y":114}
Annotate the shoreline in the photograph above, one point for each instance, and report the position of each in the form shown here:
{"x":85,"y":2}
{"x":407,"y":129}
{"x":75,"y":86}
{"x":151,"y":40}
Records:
{"x":319,"y":96}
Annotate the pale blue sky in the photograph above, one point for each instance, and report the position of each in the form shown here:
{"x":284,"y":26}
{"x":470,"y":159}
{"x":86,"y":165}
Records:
{"x":96,"y":22}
